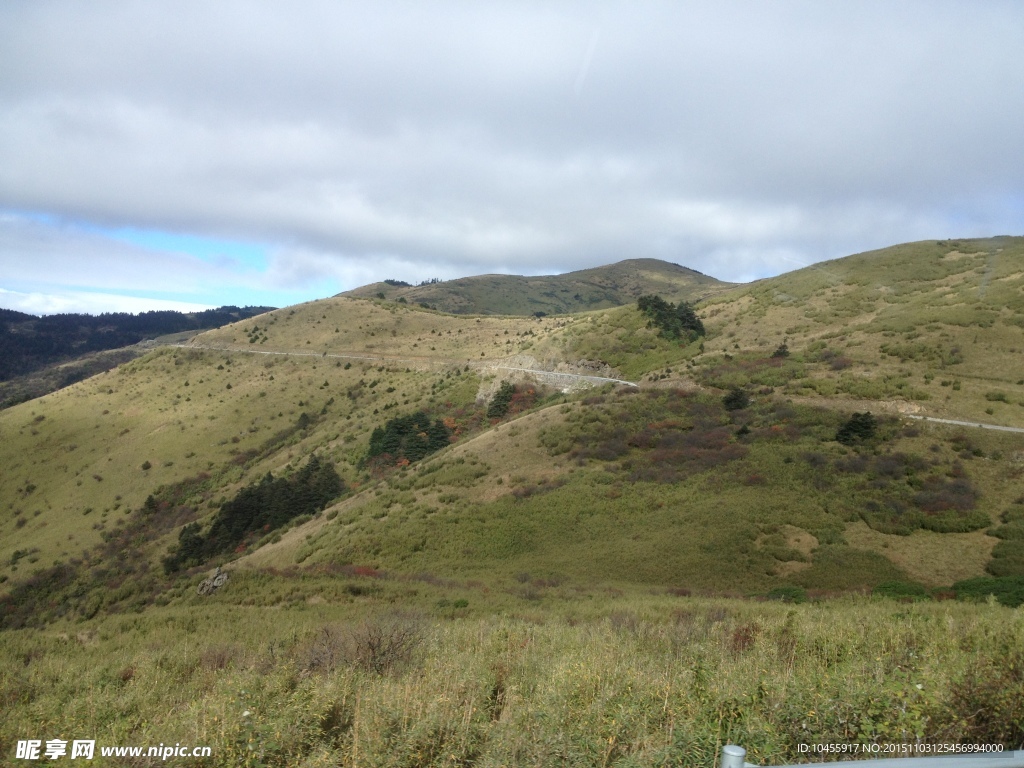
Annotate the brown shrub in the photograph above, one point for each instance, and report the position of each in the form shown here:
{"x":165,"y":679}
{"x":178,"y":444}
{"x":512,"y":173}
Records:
{"x":218,"y":657}
{"x":378,"y":645}
{"x":986,"y":705}
{"x":939,"y":495}
{"x":743,"y":637}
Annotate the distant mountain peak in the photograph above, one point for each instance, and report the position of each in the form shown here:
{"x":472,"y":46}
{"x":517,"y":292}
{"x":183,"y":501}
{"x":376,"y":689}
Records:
{"x":578,"y":291}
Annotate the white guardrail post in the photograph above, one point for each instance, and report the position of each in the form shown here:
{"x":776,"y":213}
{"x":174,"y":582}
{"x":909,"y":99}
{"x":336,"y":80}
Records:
{"x":733,"y":756}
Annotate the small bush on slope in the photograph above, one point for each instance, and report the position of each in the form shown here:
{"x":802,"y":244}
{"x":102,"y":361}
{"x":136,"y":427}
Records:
{"x":860,"y":428}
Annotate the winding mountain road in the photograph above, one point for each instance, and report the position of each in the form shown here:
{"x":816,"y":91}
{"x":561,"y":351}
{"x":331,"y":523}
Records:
{"x":552,"y":376}
{"x":965,"y":423}
{"x":556,"y":378}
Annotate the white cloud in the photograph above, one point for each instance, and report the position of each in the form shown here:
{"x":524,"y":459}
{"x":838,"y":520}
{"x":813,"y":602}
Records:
{"x":359,"y":140}
{"x":88,"y":303}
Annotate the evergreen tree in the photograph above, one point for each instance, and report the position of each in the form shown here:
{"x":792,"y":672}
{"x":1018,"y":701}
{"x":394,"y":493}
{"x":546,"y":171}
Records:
{"x":499,"y":404}
{"x":860,"y":428}
{"x":673,"y":322}
{"x":409,"y":437}
{"x":736,"y":399}
{"x":265,"y":505}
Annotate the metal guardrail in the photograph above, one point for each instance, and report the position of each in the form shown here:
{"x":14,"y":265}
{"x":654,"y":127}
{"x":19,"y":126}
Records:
{"x":734,"y":756}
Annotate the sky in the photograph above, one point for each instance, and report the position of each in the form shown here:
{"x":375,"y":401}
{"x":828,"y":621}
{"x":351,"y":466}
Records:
{"x":185,"y":154}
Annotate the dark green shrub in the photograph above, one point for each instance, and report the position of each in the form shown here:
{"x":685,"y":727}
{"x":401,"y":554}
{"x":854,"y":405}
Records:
{"x":901,"y":590}
{"x":1013,"y":530}
{"x":842,"y":567}
{"x":672,"y":321}
{"x":408,"y":437}
{"x":1013,"y":514}
{"x":257,"y":508}
{"x":788,"y":594}
{"x":498,"y":406}
{"x":1008,"y":590}
{"x":736,"y":399}
{"x":1007,"y":558}
{"x":860,"y":428}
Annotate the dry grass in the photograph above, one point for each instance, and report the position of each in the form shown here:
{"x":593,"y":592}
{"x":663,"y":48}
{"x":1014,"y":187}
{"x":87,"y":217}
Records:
{"x":630,"y":678}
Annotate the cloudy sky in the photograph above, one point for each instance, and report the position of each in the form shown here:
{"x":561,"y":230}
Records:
{"x":179,"y":154}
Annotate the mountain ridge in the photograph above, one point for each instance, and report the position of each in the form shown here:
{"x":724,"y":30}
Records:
{"x":578,"y":291}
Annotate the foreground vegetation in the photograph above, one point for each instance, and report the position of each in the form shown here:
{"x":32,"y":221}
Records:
{"x":578,"y":677}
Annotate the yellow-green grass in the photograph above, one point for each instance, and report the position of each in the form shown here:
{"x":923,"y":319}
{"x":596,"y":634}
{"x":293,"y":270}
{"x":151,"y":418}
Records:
{"x":173,"y":410}
{"x":84,"y":448}
{"x":932,"y":559}
{"x":538,"y":568}
{"x":629,"y":678}
{"x":373,"y":328}
{"x":949,"y":315}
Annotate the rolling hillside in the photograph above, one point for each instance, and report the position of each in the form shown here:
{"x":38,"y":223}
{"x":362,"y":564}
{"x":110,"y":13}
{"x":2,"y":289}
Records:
{"x":508,"y":539}
{"x":924,"y":329}
{"x":588,"y":289}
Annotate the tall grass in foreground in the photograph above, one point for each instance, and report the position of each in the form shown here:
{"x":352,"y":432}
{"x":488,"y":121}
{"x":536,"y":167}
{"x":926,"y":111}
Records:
{"x":626,"y":681}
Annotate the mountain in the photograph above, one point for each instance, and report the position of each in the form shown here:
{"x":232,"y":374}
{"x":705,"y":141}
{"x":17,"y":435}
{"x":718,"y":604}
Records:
{"x":588,"y":289}
{"x":921,"y":329}
{"x":462,"y":535}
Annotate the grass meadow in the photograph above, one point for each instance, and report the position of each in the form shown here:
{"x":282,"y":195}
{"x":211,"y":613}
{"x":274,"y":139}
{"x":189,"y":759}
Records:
{"x":365,"y":671}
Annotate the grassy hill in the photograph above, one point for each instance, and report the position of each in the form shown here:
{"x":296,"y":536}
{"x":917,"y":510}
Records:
{"x":227,"y":410}
{"x":588,"y":289}
{"x":938,"y":326}
{"x":576,"y":514}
